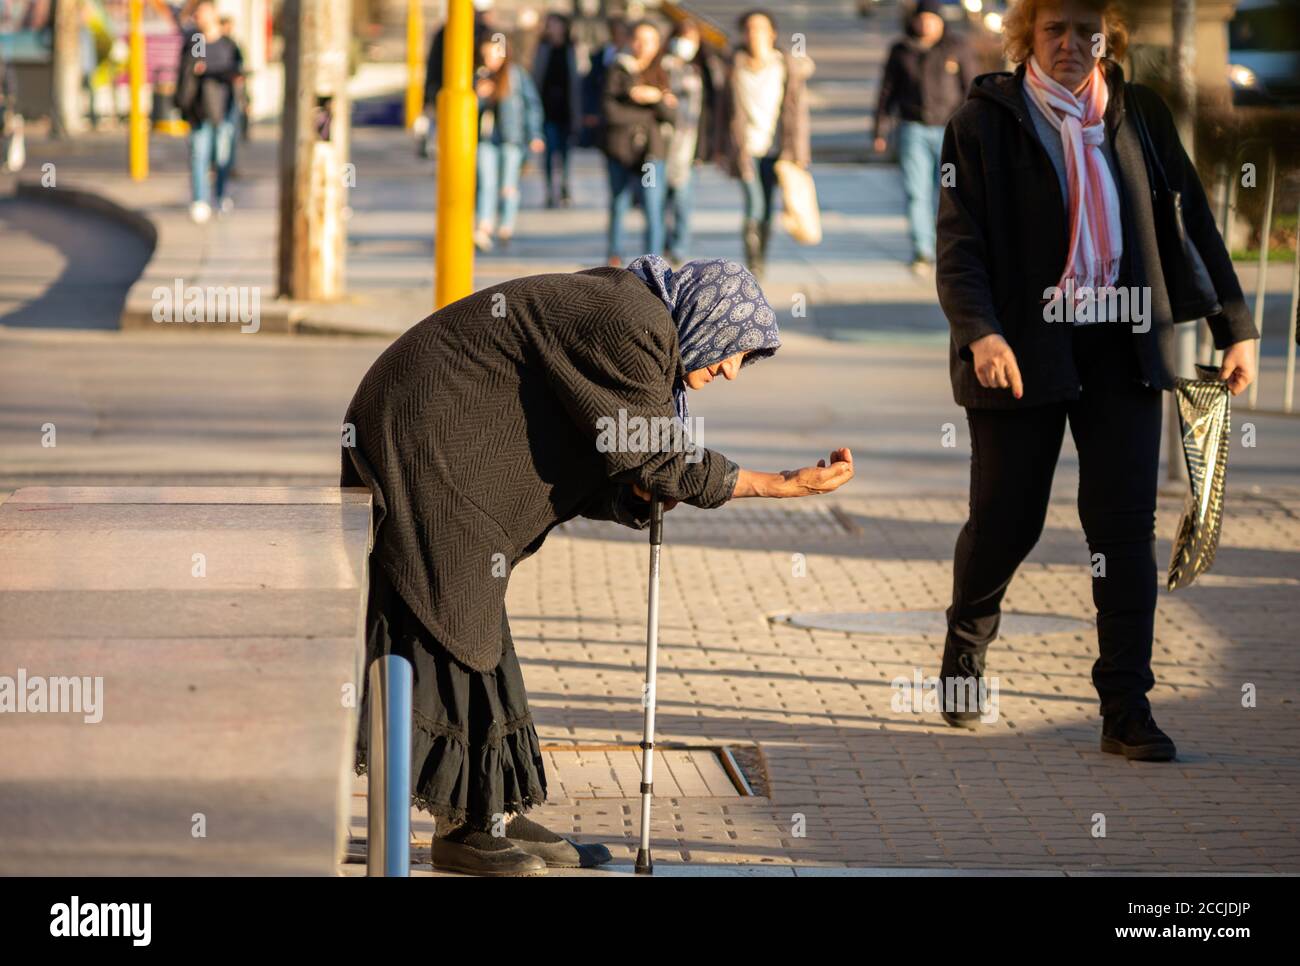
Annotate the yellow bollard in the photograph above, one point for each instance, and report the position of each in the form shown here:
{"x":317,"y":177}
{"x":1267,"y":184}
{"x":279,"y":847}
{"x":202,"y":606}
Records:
{"x":138,"y":136}
{"x":414,"y":62}
{"x":457,"y":147}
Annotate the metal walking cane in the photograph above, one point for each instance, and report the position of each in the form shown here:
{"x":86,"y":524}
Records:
{"x":644,"y":863}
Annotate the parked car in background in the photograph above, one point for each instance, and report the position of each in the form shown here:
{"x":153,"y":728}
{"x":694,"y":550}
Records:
{"x":1264,"y":53}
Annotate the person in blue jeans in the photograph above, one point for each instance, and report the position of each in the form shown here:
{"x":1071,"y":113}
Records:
{"x":927,"y":75}
{"x":211,"y":68}
{"x":640,"y":109}
{"x":918,"y":160}
{"x":555,"y":72}
{"x":691,"y":82}
{"x":510,"y":123}
{"x":764,"y":119}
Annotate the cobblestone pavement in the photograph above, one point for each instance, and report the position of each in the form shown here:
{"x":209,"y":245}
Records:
{"x":853,"y":781}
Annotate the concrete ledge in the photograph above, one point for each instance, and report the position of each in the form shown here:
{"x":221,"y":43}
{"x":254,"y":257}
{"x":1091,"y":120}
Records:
{"x":218,"y":636}
{"x":136,"y":221}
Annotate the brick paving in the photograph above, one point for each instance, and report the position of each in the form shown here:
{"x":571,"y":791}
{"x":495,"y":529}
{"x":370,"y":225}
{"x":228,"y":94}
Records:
{"x":856,"y":783}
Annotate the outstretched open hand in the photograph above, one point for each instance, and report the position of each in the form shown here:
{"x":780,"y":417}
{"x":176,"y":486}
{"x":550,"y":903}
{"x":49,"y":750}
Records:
{"x":822,"y":478}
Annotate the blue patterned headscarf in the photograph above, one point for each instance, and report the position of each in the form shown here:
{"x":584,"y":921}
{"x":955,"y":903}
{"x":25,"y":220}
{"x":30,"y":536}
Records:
{"x":718,"y":308}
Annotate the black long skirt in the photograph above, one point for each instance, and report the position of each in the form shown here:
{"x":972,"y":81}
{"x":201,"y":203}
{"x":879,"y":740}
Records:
{"x":474,"y":751}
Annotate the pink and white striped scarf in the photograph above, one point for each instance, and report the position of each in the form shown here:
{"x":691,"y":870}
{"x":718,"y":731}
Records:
{"x":1096,"y":235}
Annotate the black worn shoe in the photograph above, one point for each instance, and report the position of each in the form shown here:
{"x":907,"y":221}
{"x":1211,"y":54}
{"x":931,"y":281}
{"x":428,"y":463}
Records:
{"x":961,"y":685}
{"x":1135,"y":735}
{"x":478,"y":853}
{"x":555,"y":850}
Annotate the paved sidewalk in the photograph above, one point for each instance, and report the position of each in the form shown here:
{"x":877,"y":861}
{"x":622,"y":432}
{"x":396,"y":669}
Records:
{"x":391,"y":229}
{"x":853,"y":782}
{"x":877,"y":786}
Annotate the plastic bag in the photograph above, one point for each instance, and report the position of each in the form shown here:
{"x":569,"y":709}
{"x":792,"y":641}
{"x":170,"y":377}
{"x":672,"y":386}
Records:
{"x":1205,"y":417}
{"x":800,"y":215}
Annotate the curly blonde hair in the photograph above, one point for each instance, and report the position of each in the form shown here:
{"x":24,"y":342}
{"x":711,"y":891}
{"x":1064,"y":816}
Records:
{"x":1018,"y":27}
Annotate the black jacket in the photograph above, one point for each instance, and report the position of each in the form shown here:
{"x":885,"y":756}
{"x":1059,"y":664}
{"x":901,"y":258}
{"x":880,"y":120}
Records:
{"x":1002,"y":240}
{"x":478,"y":431}
{"x":207,"y":96}
{"x":924,"y":84}
{"x":634,"y":133}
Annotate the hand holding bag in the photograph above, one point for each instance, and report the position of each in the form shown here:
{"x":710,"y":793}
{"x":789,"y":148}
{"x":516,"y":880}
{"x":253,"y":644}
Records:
{"x":1205,"y":417}
{"x":1191,"y":291}
{"x":800,"y":215}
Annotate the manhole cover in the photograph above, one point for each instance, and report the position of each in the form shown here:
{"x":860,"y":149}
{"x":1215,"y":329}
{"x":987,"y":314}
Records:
{"x":906,"y":623}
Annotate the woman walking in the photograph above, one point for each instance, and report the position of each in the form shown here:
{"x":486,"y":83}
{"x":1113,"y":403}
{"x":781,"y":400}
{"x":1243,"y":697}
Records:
{"x":210,"y":70}
{"x":1049,"y":221}
{"x":765,"y":120}
{"x":509,"y":124}
{"x":692,"y":84}
{"x":639,"y":113}
{"x":926,"y":78}
{"x":555,"y":72}
{"x":477,"y":434}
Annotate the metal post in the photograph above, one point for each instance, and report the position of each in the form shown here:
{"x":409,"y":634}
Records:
{"x":1262,"y":281}
{"x":138,"y":124}
{"x":1223,"y":181}
{"x":414,"y":62}
{"x":644,"y":862}
{"x":1288,"y":389}
{"x":1183,"y":70}
{"x":388,"y":751}
{"x":453,"y":272}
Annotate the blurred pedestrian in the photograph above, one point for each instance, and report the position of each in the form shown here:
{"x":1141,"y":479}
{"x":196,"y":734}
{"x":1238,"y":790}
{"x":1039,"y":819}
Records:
{"x":556,"y":74}
{"x":691,"y":83}
{"x":483,"y":27}
{"x":509,"y":125}
{"x":1052,"y":209}
{"x":927,"y":75}
{"x":639,"y":114}
{"x":593,"y":85}
{"x":211,"y":69}
{"x":241,"y":99}
{"x":765,"y":119}
{"x":542,"y":389}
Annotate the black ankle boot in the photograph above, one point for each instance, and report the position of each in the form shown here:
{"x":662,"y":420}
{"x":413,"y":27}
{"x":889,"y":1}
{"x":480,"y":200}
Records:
{"x":1135,"y":735}
{"x":764,"y":234}
{"x":961,"y":687}
{"x":753,"y":242}
{"x":478,"y":853}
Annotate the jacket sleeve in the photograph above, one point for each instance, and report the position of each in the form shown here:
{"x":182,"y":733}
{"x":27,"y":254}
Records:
{"x":665,"y":114}
{"x":961,"y":270}
{"x":1234,"y":323}
{"x":532,"y":108}
{"x":619,"y":108}
{"x":888,"y":88}
{"x":620,"y":374}
{"x":618,"y":503}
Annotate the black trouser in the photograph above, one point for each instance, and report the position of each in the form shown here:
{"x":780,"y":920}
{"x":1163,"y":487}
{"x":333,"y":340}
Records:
{"x":1116,"y":429}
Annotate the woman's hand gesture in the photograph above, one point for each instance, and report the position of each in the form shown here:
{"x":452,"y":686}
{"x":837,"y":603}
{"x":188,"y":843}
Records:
{"x":645,"y":94}
{"x":826,"y":476}
{"x":822,"y":478}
